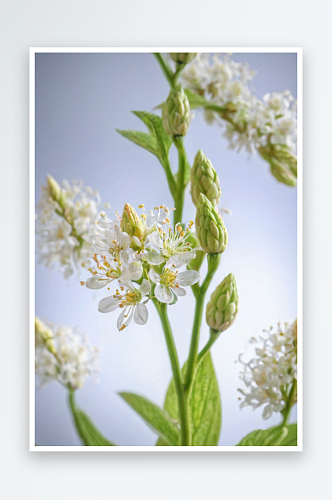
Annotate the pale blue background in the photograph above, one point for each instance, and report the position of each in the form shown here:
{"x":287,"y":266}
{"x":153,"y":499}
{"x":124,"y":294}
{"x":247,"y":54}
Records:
{"x":80,"y":100}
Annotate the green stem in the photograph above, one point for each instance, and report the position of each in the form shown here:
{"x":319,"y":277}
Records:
{"x":170,"y":178}
{"x":182,"y":397}
{"x":179,"y":200}
{"x":165,"y":68}
{"x":213,"y":263}
{"x":213,"y":337}
{"x":287,"y":411}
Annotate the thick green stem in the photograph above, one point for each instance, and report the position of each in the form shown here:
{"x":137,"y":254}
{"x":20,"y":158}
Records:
{"x":182,"y":397}
{"x":213,"y":263}
{"x":165,"y":68}
{"x":181,"y":181}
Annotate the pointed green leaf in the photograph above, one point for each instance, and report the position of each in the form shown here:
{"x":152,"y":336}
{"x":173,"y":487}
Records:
{"x":269,"y":437}
{"x":198,"y":101}
{"x":156,"y":128}
{"x":204,"y":405}
{"x":155,"y":417}
{"x":146,"y":141}
{"x":86,"y":429}
{"x":291,"y":438}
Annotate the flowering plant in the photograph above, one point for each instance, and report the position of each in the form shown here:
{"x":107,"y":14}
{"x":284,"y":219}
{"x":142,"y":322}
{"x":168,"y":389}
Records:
{"x":146,"y":257}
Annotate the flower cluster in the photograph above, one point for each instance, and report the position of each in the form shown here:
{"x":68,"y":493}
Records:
{"x":143,"y":255}
{"x":249,"y":122}
{"x":271,"y":376}
{"x":63,"y":217}
{"x":62,"y":354}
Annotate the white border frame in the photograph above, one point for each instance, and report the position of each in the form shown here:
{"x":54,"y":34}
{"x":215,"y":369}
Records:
{"x":33,"y":52}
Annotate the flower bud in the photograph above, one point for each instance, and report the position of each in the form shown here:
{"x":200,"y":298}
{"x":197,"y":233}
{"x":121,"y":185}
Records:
{"x":43,"y":335}
{"x":283,"y":163}
{"x":131,"y":223}
{"x":54,"y":189}
{"x":204,"y":179}
{"x":223,"y":305}
{"x":184,"y":58}
{"x":210,"y":228}
{"x":176,"y":113}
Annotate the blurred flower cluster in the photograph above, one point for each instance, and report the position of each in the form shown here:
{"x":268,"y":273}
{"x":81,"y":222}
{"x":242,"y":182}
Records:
{"x":62,"y":354}
{"x":140,"y":253}
{"x":63,"y":217}
{"x":270,"y":377}
{"x":248,"y":121}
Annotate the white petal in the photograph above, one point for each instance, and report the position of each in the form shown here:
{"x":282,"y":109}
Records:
{"x":108,"y":304}
{"x":154,"y":258}
{"x":132,"y":272}
{"x":96,"y":282}
{"x":180,"y":292}
{"x":187,"y":278}
{"x":141,"y":314}
{"x":154,"y":276}
{"x":145,"y":287}
{"x":164,"y":294}
{"x":121,"y":318}
{"x":125,"y":317}
{"x":180,"y":259}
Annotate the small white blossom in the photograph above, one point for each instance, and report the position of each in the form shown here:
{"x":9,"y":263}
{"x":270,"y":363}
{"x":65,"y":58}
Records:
{"x":132,"y":302}
{"x":248,"y":121}
{"x":269,"y":376}
{"x":63,"y":217}
{"x":170,"y":246}
{"x":170,"y":283}
{"x":64,"y":356}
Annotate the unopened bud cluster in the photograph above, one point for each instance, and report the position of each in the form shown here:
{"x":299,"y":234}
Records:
{"x":283,"y":163}
{"x":176,"y":113}
{"x":204,"y":179}
{"x":183,"y":58}
{"x":222,"y":308}
{"x":210,"y":228}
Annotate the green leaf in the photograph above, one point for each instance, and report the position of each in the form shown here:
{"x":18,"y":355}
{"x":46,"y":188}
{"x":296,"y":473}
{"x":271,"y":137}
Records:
{"x":86,"y":429}
{"x":155,"y":417}
{"x":156,"y":128}
{"x":195,"y":100}
{"x":204,"y":405}
{"x":146,"y":141}
{"x":291,"y":438}
{"x":269,"y":437}
{"x":198,"y":101}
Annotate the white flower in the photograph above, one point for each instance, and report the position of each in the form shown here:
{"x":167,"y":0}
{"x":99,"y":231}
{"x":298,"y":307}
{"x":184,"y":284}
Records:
{"x":249,"y":122}
{"x":169,"y":246}
{"x":269,"y":376}
{"x":132,"y":303}
{"x":108,"y":240}
{"x":170,"y":283}
{"x":64,"y":356}
{"x":63,"y":217}
{"x":109,"y":271}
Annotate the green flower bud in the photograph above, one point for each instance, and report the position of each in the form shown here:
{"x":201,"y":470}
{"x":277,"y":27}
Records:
{"x":210,"y":228}
{"x":195,"y":263}
{"x":184,"y":58}
{"x":43,"y":335}
{"x":131,"y":223}
{"x":283,"y":163}
{"x":54,"y":190}
{"x":204,"y":179}
{"x":223,"y":305}
{"x":176,"y":113}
